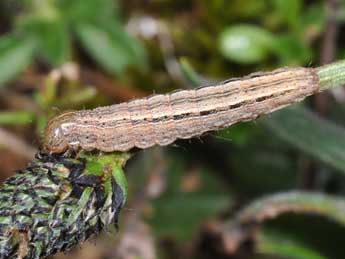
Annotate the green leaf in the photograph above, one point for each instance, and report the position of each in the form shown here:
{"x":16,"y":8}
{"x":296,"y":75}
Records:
{"x":88,"y":11}
{"x":311,"y":203}
{"x":283,"y":212}
{"x":246,"y":43}
{"x":94,"y":168}
{"x":292,"y":51}
{"x":268,"y":158}
{"x":180,"y":213}
{"x":15,"y":55}
{"x":240,"y":134}
{"x":313,"y":20}
{"x":253,"y":8}
{"x":273,"y":243}
{"x":52,"y":36}
{"x":111,"y":163}
{"x":311,"y":134}
{"x":16,"y":118}
{"x":137,"y":53}
{"x":189,"y":73}
{"x":288,"y":11}
{"x":55,"y":42}
{"x":112,"y":48}
{"x":121,"y":180}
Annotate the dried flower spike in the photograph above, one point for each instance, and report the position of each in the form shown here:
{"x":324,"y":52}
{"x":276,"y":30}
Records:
{"x":57,"y":203}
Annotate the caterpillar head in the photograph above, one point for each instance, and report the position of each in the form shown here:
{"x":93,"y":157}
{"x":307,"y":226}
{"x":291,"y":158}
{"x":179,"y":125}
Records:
{"x":54,"y":139}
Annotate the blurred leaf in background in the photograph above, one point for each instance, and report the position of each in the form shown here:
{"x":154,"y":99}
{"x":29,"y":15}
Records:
{"x":49,"y":28}
{"x":16,"y":54}
{"x":278,"y":245}
{"x":288,"y":39}
{"x":295,"y":124}
{"x":191,"y":197}
{"x":16,"y":118}
{"x":207,"y":179}
{"x":246,"y":43}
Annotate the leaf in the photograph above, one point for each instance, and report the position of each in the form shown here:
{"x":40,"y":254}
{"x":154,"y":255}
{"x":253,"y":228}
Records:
{"x":311,"y":134}
{"x":273,"y":243}
{"x":313,"y":20}
{"x":292,"y":51}
{"x":247,"y":223}
{"x":246,"y":44}
{"x":52,"y":37}
{"x":180,"y":213}
{"x":88,"y":11}
{"x":16,"y":118}
{"x":15,"y":55}
{"x":253,"y":8}
{"x":136,"y":50}
{"x":311,"y":203}
{"x":240,"y":134}
{"x":113,"y":49}
{"x":267,"y":157}
{"x":189,"y":73}
{"x":289,"y":11}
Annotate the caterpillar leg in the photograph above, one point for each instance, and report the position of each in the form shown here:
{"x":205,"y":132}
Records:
{"x":73,"y":150}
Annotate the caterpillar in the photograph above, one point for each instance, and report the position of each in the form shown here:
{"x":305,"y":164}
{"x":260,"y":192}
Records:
{"x":161,"y":119}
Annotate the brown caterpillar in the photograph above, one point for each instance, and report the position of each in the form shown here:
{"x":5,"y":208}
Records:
{"x":161,"y":119}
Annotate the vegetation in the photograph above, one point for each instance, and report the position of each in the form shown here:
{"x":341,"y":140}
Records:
{"x":272,"y":188}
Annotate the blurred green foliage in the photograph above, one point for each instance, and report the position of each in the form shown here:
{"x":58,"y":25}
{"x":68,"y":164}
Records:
{"x":47,"y":30}
{"x":273,"y":243}
{"x":16,"y":55}
{"x":246,"y":43}
{"x":193,"y":206}
{"x":291,"y":149}
{"x":326,"y":139}
{"x":16,"y":118}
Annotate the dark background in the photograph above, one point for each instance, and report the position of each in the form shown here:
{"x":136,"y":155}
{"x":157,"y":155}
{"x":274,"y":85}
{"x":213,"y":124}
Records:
{"x":62,"y":54}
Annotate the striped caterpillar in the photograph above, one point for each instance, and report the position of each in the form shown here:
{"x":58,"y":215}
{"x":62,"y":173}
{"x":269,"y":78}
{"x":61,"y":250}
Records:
{"x":161,"y":119}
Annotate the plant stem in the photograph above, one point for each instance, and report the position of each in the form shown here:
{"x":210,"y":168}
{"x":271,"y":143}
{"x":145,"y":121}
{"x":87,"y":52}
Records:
{"x":332,"y":75}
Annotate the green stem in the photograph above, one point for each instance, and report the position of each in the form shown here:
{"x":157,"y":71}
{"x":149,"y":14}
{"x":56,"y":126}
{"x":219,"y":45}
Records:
{"x":247,"y":221}
{"x":332,"y":75}
{"x":98,"y":164}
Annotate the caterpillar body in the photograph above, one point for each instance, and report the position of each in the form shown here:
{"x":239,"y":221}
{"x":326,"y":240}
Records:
{"x":161,"y":119}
